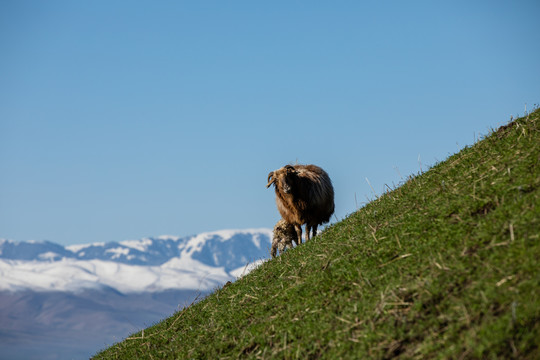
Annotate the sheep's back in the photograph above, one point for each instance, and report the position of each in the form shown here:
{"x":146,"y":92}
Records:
{"x":317,"y":191}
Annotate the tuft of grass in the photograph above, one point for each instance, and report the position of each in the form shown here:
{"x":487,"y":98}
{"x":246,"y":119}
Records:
{"x":444,"y":266}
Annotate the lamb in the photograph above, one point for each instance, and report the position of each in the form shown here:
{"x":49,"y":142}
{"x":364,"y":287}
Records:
{"x":304,"y":195}
{"x":284,"y":236}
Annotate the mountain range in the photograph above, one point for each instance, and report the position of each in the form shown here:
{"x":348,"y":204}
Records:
{"x":61,"y":302}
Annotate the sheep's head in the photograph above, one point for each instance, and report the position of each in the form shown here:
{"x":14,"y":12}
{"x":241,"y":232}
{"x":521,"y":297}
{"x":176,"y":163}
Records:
{"x":282,"y":179}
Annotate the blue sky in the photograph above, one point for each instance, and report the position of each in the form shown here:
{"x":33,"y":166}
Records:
{"x":126,"y":119}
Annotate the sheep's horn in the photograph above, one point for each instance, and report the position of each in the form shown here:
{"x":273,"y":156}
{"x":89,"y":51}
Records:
{"x":270,"y":176}
{"x":289,"y":168}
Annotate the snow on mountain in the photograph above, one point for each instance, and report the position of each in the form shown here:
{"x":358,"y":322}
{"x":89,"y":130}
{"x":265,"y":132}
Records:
{"x":76,"y":275}
{"x":69,"y":302}
{"x":201,"y":262}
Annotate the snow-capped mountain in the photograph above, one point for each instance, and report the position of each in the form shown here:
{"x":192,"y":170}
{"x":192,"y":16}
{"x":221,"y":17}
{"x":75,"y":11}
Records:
{"x":199,"y":262}
{"x":69,"y":302}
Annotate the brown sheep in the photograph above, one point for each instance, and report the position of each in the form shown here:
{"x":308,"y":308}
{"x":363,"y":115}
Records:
{"x":284,"y":236}
{"x":304,"y":195}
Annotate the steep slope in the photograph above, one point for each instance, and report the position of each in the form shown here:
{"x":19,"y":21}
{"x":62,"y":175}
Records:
{"x":445,"y":266}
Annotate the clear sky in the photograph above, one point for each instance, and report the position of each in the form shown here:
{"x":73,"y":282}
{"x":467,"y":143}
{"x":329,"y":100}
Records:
{"x":126,"y":119}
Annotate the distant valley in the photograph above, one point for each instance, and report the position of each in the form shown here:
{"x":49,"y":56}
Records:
{"x":69,"y":302}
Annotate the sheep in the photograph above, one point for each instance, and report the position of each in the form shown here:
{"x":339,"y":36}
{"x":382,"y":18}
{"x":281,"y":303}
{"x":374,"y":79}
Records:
{"x":304,"y":195}
{"x":284,"y":236}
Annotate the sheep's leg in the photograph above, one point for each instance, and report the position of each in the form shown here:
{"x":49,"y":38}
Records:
{"x":308,"y":229}
{"x":273,"y":251}
{"x":298,"y":229}
{"x":314,"y":230}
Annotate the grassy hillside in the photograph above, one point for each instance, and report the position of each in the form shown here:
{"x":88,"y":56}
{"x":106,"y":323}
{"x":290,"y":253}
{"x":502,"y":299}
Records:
{"x":445,"y":266}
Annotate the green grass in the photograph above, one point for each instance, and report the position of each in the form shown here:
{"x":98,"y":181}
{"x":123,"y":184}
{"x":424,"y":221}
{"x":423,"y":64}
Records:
{"x":445,"y":266}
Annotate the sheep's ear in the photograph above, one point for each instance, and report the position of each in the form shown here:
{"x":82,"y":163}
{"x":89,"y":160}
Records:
{"x":270,"y":179}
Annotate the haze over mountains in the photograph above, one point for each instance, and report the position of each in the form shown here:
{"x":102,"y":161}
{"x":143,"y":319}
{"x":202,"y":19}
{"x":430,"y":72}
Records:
{"x":68,"y":302}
